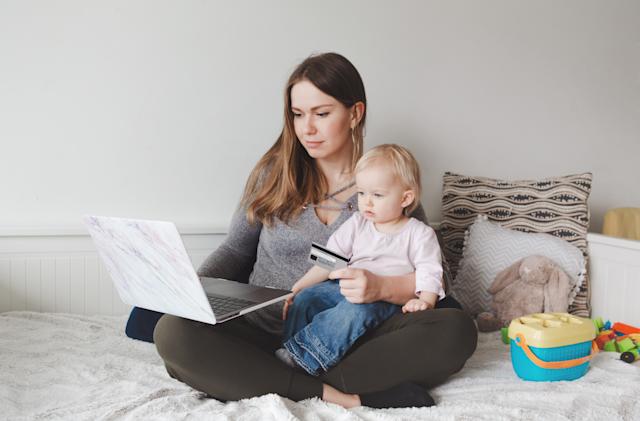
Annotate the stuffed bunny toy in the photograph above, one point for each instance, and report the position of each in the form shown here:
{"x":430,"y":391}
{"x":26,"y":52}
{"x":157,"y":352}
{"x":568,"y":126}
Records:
{"x":534,"y":284}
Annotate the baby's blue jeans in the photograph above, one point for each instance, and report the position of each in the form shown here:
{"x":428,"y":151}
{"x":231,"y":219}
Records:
{"x":322,"y":325}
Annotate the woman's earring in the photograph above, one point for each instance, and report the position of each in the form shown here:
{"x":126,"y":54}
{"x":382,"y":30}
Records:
{"x":356,"y":145}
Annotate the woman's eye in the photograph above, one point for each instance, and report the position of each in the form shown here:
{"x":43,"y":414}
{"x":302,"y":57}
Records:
{"x":322,"y":114}
{"x":378,"y":195}
{"x":296,"y":115}
{"x":360,"y":193}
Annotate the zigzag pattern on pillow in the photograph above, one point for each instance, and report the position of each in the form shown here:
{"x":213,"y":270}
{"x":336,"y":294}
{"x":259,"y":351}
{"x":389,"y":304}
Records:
{"x":556,"y":206}
{"x":490,"y":248}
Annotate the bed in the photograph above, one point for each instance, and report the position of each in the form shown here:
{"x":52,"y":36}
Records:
{"x":78,"y":367}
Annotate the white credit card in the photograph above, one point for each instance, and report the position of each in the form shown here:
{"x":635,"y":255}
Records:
{"x":327,"y":259}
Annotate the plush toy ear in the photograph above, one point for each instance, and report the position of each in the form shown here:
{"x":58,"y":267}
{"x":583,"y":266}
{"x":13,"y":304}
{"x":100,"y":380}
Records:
{"x":556,"y":291}
{"x":505,"y":278}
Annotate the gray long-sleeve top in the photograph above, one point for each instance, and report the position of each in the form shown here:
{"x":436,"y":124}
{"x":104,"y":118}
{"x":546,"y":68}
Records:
{"x":275,"y":256}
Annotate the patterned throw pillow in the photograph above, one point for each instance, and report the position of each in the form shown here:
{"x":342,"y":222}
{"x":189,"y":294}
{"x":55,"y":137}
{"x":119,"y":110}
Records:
{"x":489,"y":248}
{"x":556,"y":206}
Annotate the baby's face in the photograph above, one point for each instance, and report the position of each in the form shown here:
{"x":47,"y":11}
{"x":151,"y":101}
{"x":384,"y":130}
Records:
{"x":380,"y":193}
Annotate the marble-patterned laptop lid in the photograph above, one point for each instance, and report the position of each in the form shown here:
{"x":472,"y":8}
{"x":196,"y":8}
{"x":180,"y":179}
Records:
{"x":149,"y":266}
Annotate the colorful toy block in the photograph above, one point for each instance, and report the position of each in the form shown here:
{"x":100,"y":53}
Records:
{"x":625,"y":345}
{"x":625,"y":329}
{"x":618,"y":337}
{"x":598,"y":323}
{"x":505,"y":335}
{"x":610,"y":346}
{"x":602,"y":339}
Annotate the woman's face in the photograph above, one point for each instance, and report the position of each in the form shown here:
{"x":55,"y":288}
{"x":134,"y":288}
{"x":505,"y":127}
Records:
{"x":322,"y":123}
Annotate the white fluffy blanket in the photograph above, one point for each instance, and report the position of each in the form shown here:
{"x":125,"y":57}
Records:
{"x":73,"y":367}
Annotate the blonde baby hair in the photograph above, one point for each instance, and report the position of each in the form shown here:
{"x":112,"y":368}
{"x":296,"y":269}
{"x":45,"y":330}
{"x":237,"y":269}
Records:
{"x":404,"y":166}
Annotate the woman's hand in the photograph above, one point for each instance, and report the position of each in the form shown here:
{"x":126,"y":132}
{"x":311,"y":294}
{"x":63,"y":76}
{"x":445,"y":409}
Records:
{"x":358,"y":285}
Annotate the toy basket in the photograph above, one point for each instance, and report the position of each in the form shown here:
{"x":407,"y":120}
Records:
{"x":551,"y":346}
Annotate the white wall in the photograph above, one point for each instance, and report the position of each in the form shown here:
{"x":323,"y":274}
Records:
{"x":159,"y":109}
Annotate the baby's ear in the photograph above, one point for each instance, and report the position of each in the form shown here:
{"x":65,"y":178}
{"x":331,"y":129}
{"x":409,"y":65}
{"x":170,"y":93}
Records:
{"x":407,"y":198}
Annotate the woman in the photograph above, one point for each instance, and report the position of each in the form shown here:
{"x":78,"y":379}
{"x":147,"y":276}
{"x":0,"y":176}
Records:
{"x":301,"y":191}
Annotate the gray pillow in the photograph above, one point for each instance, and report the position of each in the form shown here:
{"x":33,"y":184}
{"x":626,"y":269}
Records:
{"x":490,"y":248}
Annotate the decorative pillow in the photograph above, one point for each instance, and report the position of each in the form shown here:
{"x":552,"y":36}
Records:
{"x":490,"y":248}
{"x":556,"y":206}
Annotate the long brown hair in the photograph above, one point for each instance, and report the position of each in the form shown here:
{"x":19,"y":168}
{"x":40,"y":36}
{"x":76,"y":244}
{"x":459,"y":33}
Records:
{"x":286,"y":177}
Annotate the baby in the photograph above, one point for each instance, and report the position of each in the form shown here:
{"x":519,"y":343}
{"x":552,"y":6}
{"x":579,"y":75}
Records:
{"x":320,"y":324}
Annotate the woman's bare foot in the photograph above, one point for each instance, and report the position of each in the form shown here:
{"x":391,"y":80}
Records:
{"x":404,"y":395}
{"x":333,"y":395}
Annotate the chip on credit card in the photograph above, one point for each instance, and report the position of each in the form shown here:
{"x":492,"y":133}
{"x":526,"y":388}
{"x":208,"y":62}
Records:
{"x":327,"y":259}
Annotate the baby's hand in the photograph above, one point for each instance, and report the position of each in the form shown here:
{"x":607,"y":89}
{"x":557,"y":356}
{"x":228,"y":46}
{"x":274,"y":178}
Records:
{"x":289,"y":301}
{"x":287,"y":304}
{"x":414,"y":305}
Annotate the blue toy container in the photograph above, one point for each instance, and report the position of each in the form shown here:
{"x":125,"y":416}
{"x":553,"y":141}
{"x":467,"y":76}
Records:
{"x":551,"y":346}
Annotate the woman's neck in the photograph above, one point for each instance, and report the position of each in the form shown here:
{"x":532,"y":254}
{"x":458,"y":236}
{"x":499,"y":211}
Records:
{"x":338,"y":174}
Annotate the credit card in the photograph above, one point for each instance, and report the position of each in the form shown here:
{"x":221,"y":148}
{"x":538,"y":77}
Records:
{"x":327,"y":259}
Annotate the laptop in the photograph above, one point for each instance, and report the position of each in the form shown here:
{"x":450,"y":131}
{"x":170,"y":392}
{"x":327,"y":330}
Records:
{"x":150,"y":268}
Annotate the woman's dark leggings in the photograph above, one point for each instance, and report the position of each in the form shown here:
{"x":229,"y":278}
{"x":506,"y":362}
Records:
{"x":235,"y":360}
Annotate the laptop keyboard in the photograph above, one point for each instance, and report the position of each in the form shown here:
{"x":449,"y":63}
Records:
{"x":225,"y":305}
